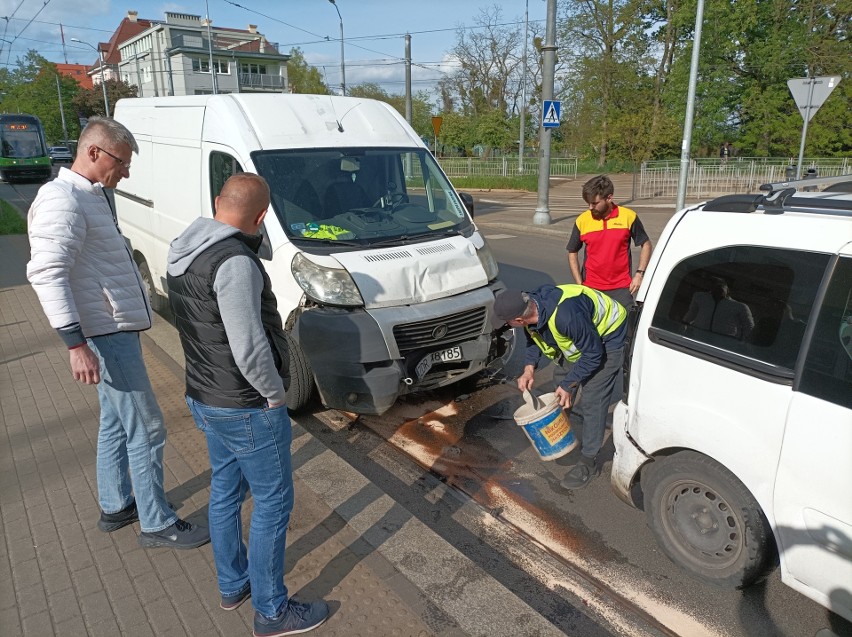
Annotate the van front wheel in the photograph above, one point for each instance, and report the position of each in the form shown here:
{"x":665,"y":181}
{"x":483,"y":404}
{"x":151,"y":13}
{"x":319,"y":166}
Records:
{"x":158,"y":303}
{"x":705,"y":519}
{"x":300,"y":393}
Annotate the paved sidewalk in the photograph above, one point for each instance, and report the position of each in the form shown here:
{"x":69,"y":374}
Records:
{"x":59,"y":575}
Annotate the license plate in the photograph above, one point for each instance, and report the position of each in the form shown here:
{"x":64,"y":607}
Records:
{"x":446,"y":355}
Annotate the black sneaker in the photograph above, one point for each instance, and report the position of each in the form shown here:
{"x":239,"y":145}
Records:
{"x":580,"y":474}
{"x":180,"y":535}
{"x":233,"y":602}
{"x":110,"y":522}
{"x":295,"y":618}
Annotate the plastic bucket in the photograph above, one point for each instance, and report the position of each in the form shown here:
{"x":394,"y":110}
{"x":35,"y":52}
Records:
{"x":546,"y":425}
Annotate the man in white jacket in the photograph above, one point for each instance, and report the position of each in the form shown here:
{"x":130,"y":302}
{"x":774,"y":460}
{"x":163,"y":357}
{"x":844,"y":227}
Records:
{"x":92,"y":293}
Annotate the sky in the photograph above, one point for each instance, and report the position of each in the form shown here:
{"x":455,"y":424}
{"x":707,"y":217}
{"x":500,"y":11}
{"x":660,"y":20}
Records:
{"x":373,"y":30}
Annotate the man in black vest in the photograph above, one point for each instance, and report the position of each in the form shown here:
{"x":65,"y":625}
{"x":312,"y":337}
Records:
{"x":236,"y":374}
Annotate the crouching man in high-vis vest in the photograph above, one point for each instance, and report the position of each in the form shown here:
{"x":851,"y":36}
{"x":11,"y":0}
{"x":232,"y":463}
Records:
{"x":582,"y":331}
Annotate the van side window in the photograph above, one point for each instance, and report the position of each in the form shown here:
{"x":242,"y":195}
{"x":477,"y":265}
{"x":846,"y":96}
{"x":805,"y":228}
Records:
{"x":828,"y":367}
{"x":222,"y":166}
{"x":744,"y":299}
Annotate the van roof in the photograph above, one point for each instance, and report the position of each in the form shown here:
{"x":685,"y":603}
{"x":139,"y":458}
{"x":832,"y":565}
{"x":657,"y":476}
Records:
{"x":301,"y":120}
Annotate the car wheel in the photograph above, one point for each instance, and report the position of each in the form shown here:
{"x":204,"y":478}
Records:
{"x":158,"y":303}
{"x":301,"y":391}
{"x":706,"y":521}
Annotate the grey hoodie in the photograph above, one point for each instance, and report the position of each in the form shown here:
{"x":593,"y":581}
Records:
{"x":238,"y":285}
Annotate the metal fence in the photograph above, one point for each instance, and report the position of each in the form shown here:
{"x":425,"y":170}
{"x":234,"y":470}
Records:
{"x":505,"y":167}
{"x":710,"y":177}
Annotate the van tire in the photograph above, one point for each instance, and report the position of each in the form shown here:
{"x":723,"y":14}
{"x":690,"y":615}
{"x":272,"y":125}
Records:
{"x":158,"y":303}
{"x":300,"y":393}
{"x":706,"y":521}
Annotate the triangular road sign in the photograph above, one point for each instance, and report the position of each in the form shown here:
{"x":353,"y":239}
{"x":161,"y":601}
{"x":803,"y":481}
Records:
{"x":800,"y":87}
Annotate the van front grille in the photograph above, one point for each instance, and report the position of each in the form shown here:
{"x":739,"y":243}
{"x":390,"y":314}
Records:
{"x":457,"y":327}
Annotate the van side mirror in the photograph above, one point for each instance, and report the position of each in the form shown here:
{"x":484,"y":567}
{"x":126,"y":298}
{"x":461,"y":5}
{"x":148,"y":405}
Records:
{"x":265,"y":250}
{"x":467,"y":200}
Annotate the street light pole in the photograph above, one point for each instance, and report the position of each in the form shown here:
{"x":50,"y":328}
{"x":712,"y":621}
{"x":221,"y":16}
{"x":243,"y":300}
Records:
{"x":103,"y":78}
{"x":62,"y":112}
{"x":342,"y":55}
{"x":523,"y":92}
{"x":548,"y":70}
{"x":690,"y":109}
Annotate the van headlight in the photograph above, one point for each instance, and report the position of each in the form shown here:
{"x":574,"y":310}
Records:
{"x":332,"y":286}
{"x":487,"y":261}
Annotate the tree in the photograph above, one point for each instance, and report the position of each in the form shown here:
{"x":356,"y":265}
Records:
{"x":493,"y":130}
{"x":748,"y":52}
{"x":608,"y":41}
{"x":90,"y":101}
{"x":421,"y":109}
{"x":458,"y":131}
{"x":32,"y":88}
{"x":303,"y":77}
{"x":489,"y":60}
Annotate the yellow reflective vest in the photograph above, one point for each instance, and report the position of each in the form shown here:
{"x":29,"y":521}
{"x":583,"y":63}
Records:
{"x":607,"y":318}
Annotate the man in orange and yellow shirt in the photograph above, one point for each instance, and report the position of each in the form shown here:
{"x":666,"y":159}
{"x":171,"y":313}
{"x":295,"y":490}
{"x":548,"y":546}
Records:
{"x":606,"y":230}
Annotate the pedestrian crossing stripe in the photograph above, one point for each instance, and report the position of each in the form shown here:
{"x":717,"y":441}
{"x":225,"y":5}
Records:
{"x":551,"y":113}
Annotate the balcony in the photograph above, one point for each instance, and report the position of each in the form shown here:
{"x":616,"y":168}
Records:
{"x":261,"y":82}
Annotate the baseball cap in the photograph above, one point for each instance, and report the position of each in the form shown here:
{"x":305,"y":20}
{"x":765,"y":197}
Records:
{"x":509,"y":304}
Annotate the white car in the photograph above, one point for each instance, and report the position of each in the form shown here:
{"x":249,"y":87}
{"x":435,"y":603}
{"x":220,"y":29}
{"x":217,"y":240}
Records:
{"x":60,"y":153}
{"x":735,"y":431}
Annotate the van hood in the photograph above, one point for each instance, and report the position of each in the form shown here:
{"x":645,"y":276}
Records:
{"x":410,"y":274}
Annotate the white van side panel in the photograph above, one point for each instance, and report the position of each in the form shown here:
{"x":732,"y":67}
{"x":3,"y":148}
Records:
{"x":814,"y":525}
{"x":160,"y":206}
{"x":698,"y":408}
{"x":178,"y":201}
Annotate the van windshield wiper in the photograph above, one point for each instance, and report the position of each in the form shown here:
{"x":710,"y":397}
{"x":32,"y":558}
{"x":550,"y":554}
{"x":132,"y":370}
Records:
{"x":413,"y":238}
{"x":331,"y":242}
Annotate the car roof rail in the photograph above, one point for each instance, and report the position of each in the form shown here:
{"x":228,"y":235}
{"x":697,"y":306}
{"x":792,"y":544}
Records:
{"x":735,"y":203}
{"x":808,"y":182}
{"x":773,"y":203}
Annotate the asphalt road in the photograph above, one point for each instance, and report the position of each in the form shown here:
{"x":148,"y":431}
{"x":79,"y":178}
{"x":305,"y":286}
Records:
{"x":606,"y":544}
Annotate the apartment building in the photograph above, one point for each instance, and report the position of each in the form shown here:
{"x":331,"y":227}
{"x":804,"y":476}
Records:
{"x":186,"y":55}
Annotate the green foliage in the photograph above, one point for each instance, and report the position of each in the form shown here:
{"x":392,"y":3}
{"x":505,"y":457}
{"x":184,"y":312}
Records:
{"x":32,"y":88}
{"x":421,"y":109}
{"x":90,"y":102}
{"x":11,"y":221}
{"x":622,"y":75}
{"x":458,"y":131}
{"x":748,"y":52}
{"x":493,"y":130}
{"x":302,"y":77}
{"x":523,"y":182}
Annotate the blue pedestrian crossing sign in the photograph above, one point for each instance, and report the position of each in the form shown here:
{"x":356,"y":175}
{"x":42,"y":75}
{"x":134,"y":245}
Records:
{"x":551,"y":113}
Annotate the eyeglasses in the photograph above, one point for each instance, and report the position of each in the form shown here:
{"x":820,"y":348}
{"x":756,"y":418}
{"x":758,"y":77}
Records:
{"x":118,"y":160}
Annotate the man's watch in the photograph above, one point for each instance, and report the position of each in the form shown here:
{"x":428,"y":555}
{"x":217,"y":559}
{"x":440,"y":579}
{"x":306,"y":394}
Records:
{"x":642,"y":272}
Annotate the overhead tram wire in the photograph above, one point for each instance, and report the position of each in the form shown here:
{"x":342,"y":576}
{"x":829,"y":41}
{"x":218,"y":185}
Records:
{"x":46,"y":2}
{"x":349,"y":40}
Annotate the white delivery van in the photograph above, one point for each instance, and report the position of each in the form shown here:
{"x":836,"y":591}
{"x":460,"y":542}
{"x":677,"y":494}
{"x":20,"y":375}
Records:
{"x":382,"y":278}
{"x":735,"y":431}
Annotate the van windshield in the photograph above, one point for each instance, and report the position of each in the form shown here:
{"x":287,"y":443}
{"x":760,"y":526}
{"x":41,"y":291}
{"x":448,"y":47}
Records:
{"x":364,"y":196}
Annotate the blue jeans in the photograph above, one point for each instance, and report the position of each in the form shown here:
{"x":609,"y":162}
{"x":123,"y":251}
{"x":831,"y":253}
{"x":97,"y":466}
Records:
{"x":249,"y":449}
{"x":132,"y":433}
{"x":595,"y":397}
